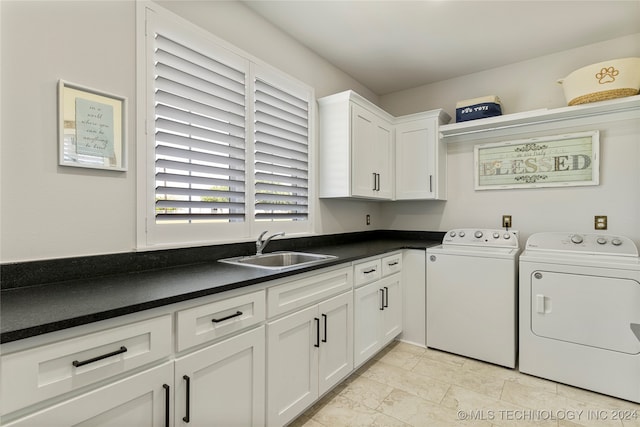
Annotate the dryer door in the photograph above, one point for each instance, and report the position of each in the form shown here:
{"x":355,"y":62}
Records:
{"x":588,"y":310}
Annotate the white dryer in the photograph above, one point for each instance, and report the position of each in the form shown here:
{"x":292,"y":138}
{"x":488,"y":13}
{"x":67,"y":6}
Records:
{"x":580,"y":312}
{"x":472,"y":294}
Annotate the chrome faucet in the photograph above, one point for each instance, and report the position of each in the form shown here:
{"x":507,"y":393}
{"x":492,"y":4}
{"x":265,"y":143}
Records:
{"x":261,"y":244}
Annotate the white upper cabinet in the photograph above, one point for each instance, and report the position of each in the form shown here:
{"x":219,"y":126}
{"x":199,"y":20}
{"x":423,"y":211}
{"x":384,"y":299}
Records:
{"x":356,"y":148}
{"x":367,"y":153}
{"x":421,"y":157}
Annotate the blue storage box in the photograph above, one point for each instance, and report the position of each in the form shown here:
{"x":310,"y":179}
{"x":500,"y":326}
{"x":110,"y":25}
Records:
{"x":478,"y":108}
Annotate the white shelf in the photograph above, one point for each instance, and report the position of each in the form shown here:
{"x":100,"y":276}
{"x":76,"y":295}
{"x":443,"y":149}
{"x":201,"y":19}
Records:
{"x":601,"y":112}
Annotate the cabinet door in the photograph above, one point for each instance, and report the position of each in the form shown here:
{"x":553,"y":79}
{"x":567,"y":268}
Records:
{"x":383,"y":166}
{"x":292,"y":365}
{"x":364,"y":138}
{"x":368,"y":306}
{"x":392,"y":313}
{"x":416,"y":160}
{"x":139,"y":400}
{"x":226,"y":383}
{"x":336,"y":342}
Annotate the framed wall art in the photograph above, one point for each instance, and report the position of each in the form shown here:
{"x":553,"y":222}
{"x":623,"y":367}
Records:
{"x":91,"y":128}
{"x":550,"y":161}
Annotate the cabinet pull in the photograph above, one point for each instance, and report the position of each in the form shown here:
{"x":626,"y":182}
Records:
{"x":381,"y":299}
{"x":167,"y":402}
{"x":378,"y":186}
{"x":391,"y":264}
{"x":231,"y":316}
{"x":430,"y":183}
{"x":317,"y":344}
{"x":77,"y":363}
{"x":375,"y":180}
{"x":386,"y":297}
{"x":187,"y":418}
{"x":373,"y":270}
{"x":324,"y":317}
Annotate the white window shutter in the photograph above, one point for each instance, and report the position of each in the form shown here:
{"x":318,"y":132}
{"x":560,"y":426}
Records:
{"x":199,"y":136}
{"x":281,"y":137}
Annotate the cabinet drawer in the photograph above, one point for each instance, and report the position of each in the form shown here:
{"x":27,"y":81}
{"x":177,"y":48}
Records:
{"x":391,"y":264}
{"x":220,"y":318}
{"x":40,"y":373}
{"x":367,"y":272}
{"x":308,"y":290}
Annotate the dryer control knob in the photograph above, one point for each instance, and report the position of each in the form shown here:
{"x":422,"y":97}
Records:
{"x":507,"y":236}
{"x":601,"y":240}
{"x":478,"y":234}
{"x":496,"y":235}
{"x":452,"y":234}
{"x":461,"y":234}
{"x":616,"y":242}
{"x":577,"y":239}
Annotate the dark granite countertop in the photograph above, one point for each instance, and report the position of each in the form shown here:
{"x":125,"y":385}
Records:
{"x":27,"y":311}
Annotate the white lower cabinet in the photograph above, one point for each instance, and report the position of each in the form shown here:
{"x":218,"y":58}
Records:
{"x":140,"y":400}
{"x":233,"y":366}
{"x":223,"y":384}
{"x":378,"y":316}
{"x":308,"y":352}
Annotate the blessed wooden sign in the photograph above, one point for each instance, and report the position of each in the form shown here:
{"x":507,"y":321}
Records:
{"x":554,"y":161}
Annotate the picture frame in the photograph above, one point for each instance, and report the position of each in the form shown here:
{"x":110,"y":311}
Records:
{"x":92,"y":128}
{"x":549,"y":161}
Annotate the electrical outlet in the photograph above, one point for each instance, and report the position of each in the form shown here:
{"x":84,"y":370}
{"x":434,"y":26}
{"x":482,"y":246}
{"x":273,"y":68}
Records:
{"x":600,"y":222}
{"x":368,"y":219}
{"x":506,"y":221}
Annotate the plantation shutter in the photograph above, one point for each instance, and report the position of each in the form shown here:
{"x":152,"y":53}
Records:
{"x":281,"y":154}
{"x":200,"y":136}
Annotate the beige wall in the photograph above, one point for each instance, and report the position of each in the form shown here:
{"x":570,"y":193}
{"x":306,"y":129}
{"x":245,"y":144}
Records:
{"x":48,"y":211}
{"x":526,"y":86}
{"x":523,"y":86}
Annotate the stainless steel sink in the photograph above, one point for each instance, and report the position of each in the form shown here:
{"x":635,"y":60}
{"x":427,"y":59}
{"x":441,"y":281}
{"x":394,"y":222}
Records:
{"x":279,"y":260}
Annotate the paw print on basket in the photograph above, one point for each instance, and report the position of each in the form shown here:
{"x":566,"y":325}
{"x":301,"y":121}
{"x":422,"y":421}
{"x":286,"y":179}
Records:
{"x":610,"y":79}
{"x":607,"y":75}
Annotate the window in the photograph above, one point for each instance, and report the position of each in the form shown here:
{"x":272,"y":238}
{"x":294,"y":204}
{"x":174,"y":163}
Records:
{"x":281,"y":155}
{"x":227,"y":150}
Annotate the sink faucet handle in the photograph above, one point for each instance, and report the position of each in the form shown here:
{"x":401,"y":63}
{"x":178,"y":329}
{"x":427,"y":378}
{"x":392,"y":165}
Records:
{"x":261,"y":244}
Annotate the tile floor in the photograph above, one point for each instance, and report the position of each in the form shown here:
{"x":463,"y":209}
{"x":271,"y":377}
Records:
{"x":406,"y":385}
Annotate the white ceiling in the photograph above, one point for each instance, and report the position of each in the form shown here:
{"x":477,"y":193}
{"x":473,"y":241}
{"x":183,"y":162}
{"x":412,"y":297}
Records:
{"x":394,"y":45}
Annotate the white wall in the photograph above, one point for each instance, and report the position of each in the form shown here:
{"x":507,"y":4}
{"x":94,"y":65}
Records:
{"x":527,"y":86}
{"x":49,"y":211}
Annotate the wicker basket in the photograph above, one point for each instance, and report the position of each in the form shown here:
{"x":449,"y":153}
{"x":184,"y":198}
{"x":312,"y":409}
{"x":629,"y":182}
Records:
{"x":611,"y":79}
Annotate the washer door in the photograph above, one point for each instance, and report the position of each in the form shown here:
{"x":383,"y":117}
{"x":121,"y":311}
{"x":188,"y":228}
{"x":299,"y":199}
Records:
{"x":587,"y":310}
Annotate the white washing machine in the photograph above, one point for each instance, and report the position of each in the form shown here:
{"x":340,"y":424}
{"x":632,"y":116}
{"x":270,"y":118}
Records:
{"x":580,"y":312}
{"x":472,"y":280}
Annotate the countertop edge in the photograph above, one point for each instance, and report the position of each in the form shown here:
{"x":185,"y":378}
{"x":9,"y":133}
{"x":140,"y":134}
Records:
{"x":36,"y":329}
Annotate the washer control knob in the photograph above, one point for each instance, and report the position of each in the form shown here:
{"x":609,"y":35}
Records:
{"x":478,"y":234}
{"x":577,"y":239}
{"x":496,"y":235}
{"x":461,"y":234}
{"x":507,"y":236}
{"x":616,"y":242}
{"x":452,"y":234}
{"x":601,"y":240}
